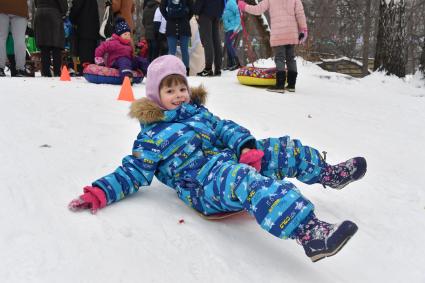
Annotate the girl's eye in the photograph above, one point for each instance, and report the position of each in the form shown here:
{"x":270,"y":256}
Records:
{"x":183,"y":89}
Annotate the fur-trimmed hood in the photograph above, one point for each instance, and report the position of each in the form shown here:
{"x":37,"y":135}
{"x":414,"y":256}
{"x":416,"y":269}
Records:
{"x":148,"y":112}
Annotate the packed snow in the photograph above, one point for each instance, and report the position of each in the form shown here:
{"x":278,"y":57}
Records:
{"x":56,"y":137}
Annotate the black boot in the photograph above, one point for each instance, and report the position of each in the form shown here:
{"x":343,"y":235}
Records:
{"x":280,"y":82}
{"x":187,"y":71}
{"x":340,"y":175}
{"x":292,"y":80}
{"x":2,"y":74}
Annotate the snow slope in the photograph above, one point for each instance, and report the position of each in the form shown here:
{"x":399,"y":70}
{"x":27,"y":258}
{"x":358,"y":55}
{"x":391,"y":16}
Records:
{"x":57,"y":137}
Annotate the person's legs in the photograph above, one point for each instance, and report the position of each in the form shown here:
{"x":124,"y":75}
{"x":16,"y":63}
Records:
{"x":184,"y":47}
{"x":172,"y":45}
{"x":279,"y":58}
{"x":152,"y":49}
{"x":45,"y":61}
{"x":163,"y":46}
{"x":292,"y":67}
{"x":86,"y":50}
{"x":285,"y":157}
{"x":216,"y":40}
{"x":57,"y":61}
{"x":4,"y":32}
{"x":277,"y":205}
{"x":18,"y":28}
{"x":205,"y":31}
{"x":125,"y":66}
{"x":229,"y":48}
{"x":141,"y":64}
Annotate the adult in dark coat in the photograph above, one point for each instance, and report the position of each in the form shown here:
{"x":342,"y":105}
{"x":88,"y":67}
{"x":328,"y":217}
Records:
{"x":84,"y":16}
{"x":147,"y":21}
{"x":178,"y":29}
{"x":49,"y":33}
{"x":209,"y":14}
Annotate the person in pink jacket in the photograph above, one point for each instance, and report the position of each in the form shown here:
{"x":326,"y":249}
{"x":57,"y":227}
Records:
{"x":288,"y":27}
{"x":117,"y":52}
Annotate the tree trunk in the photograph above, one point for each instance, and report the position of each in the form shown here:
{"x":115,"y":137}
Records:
{"x":391,"y":42}
{"x":366,"y":36}
{"x":422,"y":60}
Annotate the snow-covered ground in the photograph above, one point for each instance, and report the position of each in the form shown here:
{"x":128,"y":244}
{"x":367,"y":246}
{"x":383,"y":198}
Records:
{"x":57,"y":137}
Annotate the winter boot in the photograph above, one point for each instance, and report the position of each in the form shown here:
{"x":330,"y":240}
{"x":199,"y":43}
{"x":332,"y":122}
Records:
{"x":280,"y":82}
{"x":2,"y":73}
{"x":187,"y":72}
{"x":292,"y":80}
{"x":321,"y":239}
{"x":340,"y":175}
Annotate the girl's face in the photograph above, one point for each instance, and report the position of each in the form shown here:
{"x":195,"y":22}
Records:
{"x":173,"y":96}
{"x":126,"y":35}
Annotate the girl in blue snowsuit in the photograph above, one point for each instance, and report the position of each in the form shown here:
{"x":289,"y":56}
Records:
{"x":200,"y":156}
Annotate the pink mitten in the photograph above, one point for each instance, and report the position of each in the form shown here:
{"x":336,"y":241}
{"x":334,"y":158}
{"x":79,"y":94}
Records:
{"x":252,"y":158}
{"x":99,"y":61}
{"x":241,"y":5}
{"x":302,"y":37}
{"x":93,"y":199}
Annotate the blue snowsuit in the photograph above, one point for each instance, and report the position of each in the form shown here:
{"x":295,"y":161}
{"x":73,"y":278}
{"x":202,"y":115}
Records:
{"x":196,"y":153}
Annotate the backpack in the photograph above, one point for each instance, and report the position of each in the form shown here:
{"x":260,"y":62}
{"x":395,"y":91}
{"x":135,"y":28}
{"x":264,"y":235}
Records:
{"x":107,"y":26}
{"x":177,"y":9}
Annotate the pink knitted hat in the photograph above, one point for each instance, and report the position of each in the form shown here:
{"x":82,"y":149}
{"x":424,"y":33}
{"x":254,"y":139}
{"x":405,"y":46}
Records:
{"x":160,"y":68}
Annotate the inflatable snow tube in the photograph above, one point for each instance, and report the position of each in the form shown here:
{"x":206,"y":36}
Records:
{"x":257,"y":76}
{"x":104,"y":75}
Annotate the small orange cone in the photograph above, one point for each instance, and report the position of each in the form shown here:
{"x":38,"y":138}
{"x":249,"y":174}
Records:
{"x":65,"y":74}
{"x":126,"y":92}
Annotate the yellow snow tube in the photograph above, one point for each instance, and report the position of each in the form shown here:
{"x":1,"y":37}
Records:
{"x":257,"y":76}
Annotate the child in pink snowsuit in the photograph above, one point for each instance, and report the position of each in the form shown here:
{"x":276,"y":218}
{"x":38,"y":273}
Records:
{"x":288,"y":27}
{"x":117,"y":52}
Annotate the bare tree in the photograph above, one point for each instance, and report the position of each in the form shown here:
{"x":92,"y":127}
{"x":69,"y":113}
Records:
{"x":422,"y":61}
{"x":391,"y":42}
{"x":366,"y":36}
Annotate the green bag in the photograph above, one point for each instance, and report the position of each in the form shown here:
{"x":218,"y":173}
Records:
{"x":9,"y":45}
{"x":31,"y":46}
{"x":29,"y":42}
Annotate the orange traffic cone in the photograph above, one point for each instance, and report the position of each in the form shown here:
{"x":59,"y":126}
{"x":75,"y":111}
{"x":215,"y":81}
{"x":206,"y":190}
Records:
{"x":126,"y":92}
{"x":65,"y":74}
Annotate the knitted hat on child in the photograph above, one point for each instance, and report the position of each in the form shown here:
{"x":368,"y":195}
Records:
{"x":160,"y":68}
{"x":121,"y":26}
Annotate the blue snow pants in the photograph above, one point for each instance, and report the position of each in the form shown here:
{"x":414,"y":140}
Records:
{"x":276,"y":204}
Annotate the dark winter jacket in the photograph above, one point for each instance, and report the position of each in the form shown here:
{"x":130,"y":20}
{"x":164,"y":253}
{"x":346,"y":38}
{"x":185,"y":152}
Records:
{"x":14,"y":7}
{"x":174,"y":144}
{"x":48,"y":22}
{"x":84,"y":15}
{"x":147,"y":21}
{"x":177,"y":27}
{"x":211,"y":8}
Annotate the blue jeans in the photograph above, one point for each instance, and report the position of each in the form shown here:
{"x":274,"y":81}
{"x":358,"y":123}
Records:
{"x":184,"y":47}
{"x":231,"y":53}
